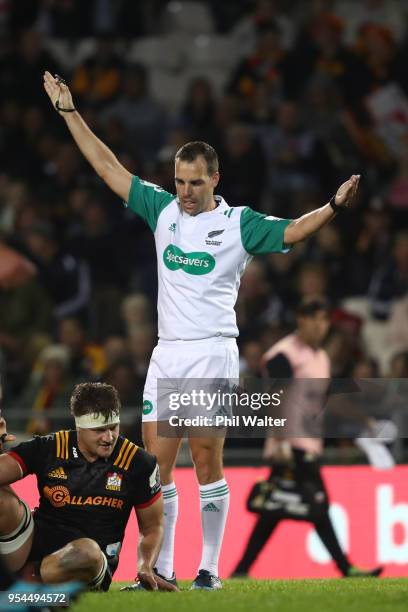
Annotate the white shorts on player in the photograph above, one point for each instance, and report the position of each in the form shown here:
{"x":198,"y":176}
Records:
{"x":184,"y":363}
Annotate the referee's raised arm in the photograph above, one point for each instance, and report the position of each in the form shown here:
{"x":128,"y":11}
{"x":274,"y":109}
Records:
{"x":101,"y":158}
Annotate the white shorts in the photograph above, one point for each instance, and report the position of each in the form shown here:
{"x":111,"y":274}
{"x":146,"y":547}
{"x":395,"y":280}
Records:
{"x":181,"y":361}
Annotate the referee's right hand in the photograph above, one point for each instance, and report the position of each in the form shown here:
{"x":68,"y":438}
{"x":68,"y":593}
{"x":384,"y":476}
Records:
{"x":58,"y":91}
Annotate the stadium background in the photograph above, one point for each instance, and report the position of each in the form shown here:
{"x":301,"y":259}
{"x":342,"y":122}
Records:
{"x":295,"y":96}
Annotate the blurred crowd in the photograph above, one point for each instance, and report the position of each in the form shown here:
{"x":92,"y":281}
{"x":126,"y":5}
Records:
{"x":308,"y":93}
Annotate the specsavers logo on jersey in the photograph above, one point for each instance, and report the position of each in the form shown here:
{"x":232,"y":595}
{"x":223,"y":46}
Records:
{"x":147,"y":407}
{"x":60,"y":496}
{"x":196,"y":263}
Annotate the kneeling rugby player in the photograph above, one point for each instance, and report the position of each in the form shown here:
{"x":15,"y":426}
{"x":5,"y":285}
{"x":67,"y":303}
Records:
{"x":89,"y":479}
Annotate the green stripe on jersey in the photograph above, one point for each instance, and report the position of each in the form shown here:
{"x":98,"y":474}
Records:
{"x":148,"y":200}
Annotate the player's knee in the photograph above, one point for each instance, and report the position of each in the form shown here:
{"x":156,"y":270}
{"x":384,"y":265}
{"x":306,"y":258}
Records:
{"x":6,"y":499}
{"x":166,"y":471}
{"x":89,"y":553}
{"x":4,"y":503}
{"x":82,"y":555}
{"x":9,"y":507}
{"x":208,"y":469}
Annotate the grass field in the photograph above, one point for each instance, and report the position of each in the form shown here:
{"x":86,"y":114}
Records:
{"x":353,"y":595}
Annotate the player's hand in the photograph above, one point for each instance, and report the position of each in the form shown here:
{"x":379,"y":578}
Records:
{"x":148,"y":580}
{"x":59,"y":92}
{"x":346,"y":192}
{"x":164,"y":585}
{"x":3,"y":430}
{"x":153,"y":582}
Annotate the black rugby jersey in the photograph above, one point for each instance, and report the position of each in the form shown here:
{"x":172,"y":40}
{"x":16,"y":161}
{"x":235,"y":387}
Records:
{"x":83,"y":499}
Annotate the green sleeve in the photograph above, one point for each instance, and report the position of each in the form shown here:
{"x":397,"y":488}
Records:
{"x":148,"y":200}
{"x":262,"y":234}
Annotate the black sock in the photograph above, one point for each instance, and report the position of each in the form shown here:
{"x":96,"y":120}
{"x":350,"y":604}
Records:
{"x":328,"y":536}
{"x":6,"y":577}
{"x":258,"y":538}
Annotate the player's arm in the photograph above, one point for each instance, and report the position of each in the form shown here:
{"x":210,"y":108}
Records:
{"x":148,"y":504}
{"x":10,"y":469}
{"x":101,"y":158}
{"x":28,"y":457}
{"x":150,"y":521}
{"x":308,"y":224}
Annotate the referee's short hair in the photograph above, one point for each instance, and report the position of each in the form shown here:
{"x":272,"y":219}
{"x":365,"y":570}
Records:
{"x":95,"y":397}
{"x":197,"y":148}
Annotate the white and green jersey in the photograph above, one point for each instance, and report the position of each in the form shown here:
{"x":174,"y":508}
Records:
{"x":200,"y":259}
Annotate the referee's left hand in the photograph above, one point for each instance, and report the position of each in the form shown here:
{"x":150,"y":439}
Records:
{"x":346,"y":192}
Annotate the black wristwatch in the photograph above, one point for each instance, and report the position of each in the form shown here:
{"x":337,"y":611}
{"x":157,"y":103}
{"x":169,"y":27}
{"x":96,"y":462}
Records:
{"x":64,"y":110}
{"x":335,"y":206}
